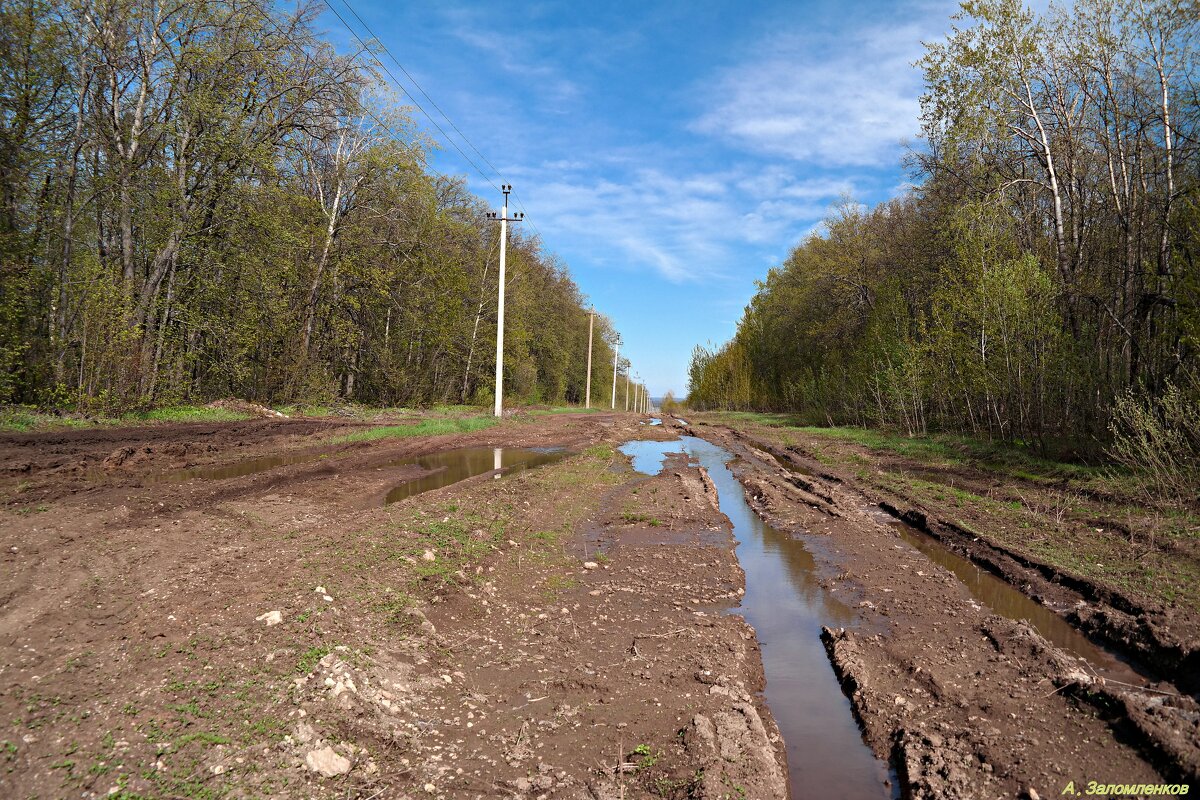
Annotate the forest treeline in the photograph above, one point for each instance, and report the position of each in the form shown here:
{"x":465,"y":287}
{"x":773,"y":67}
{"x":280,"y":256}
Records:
{"x":204,"y":199}
{"x":1040,"y":282}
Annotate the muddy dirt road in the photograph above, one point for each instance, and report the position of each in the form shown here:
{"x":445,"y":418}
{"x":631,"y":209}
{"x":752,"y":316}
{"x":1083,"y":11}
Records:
{"x":560,"y":606}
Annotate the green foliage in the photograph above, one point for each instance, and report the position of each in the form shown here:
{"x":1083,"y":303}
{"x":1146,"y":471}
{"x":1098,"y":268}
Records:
{"x":269,"y":230}
{"x":1158,"y":437}
{"x":1045,"y":266}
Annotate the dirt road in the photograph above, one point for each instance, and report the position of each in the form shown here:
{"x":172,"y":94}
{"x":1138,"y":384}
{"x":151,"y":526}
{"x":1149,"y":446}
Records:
{"x":171,"y":628}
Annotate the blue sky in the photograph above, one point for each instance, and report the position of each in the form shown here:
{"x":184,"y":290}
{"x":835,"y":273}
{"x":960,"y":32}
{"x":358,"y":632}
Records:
{"x":670,"y":153}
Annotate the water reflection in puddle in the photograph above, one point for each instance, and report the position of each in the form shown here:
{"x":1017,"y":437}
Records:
{"x":239,"y":469}
{"x":787,"y":607}
{"x":453,"y":466}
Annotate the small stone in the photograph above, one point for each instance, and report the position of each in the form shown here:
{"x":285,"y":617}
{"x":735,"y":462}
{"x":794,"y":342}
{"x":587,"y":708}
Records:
{"x":1033,"y":795}
{"x":271,"y":617}
{"x":429,"y":787}
{"x":327,"y":762}
{"x":594,"y":592}
{"x":328,"y":599}
{"x":429,"y":555}
{"x":590,"y":565}
{"x":320,"y":590}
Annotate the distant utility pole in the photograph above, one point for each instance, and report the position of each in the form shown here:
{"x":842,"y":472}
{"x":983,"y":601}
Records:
{"x":626,"y":391}
{"x":587,"y":396}
{"x":616,"y":352}
{"x":504,"y":220}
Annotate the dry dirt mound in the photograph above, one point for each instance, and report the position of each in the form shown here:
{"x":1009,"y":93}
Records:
{"x":246,"y":407}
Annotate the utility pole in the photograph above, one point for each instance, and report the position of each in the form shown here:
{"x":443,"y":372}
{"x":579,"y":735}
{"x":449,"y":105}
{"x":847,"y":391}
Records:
{"x":504,"y":220}
{"x":627,"y":391}
{"x":587,"y":395}
{"x":616,"y":352}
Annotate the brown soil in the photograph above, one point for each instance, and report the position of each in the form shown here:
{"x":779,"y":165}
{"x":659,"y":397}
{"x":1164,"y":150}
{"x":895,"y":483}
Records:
{"x":556,"y":633}
{"x":965,"y":703}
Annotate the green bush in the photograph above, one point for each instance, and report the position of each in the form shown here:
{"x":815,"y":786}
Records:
{"x":1158,"y":438}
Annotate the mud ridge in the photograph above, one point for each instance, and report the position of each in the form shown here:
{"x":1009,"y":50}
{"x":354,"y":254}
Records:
{"x":1116,"y":621}
{"x":1102,"y":613}
{"x":894,"y":679}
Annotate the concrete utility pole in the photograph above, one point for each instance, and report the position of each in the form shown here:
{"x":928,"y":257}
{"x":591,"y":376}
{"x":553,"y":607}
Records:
{"x":504,"y":220}
{"x":627,"y":391}
{"x":587,"y":397}
{"x":616,"y":352}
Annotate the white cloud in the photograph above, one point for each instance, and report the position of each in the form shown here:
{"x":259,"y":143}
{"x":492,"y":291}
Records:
{"x":838,"y":102}
{"x":684,"y":227}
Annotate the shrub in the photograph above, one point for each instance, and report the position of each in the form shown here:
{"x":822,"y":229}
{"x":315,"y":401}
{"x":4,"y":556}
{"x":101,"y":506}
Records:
{"x":1158,"y":438}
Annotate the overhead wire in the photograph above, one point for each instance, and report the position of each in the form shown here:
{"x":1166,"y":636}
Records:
{"x":400,"y":86}
{"x":432,"y":102}
{"x":389,"y":128}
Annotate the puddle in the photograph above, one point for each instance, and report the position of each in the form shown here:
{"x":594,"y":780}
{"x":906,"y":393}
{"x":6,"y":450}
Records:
{"x":792,"y":466}
{"x":453,"y":466}
{"x":238,"y":469}
{"x":1006,"y":600}
{"x":787,"y":607}
{"x":655,"y":421}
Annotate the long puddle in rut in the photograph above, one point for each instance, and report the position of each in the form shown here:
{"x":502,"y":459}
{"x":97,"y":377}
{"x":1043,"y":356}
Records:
{"x":441,"y":469}
{"x":787,"y":606}
{"x":1004,"y":599}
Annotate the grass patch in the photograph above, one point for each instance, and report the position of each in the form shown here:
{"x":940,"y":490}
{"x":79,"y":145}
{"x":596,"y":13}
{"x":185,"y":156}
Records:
{"x":308,"y":660}
{"x":937,"y":448}
{"x":426,"y":427}
{"x":28,"y":418}
{"x":541,"y":412}
{"x":635,"y":517}
{"x":186,"y":414}
{"x":20,"y":419}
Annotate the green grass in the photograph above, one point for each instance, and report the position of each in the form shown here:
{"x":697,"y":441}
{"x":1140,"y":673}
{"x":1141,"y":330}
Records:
{"x":426,"y":427}
{"x":541,"y":412}
{"x":186,"y":414}
{"x":935,"y":448}
{"x":28,"y":418}
{"x":308,"y":660}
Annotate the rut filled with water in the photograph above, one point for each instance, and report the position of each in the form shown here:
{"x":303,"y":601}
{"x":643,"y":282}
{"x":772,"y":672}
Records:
{"x":453,"y":466}
{"x":787,"y":607}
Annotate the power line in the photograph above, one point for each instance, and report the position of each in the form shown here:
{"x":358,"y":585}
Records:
{"x":432,"y":102}
{"x":421,"y":89}
{"x":366,"y":109}
{"x":400,"y":86}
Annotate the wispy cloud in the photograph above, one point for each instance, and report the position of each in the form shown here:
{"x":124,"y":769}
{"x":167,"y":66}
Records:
{"x":518,"y":58}
{"x":684,"y":227}
{"x":849,"y":100}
